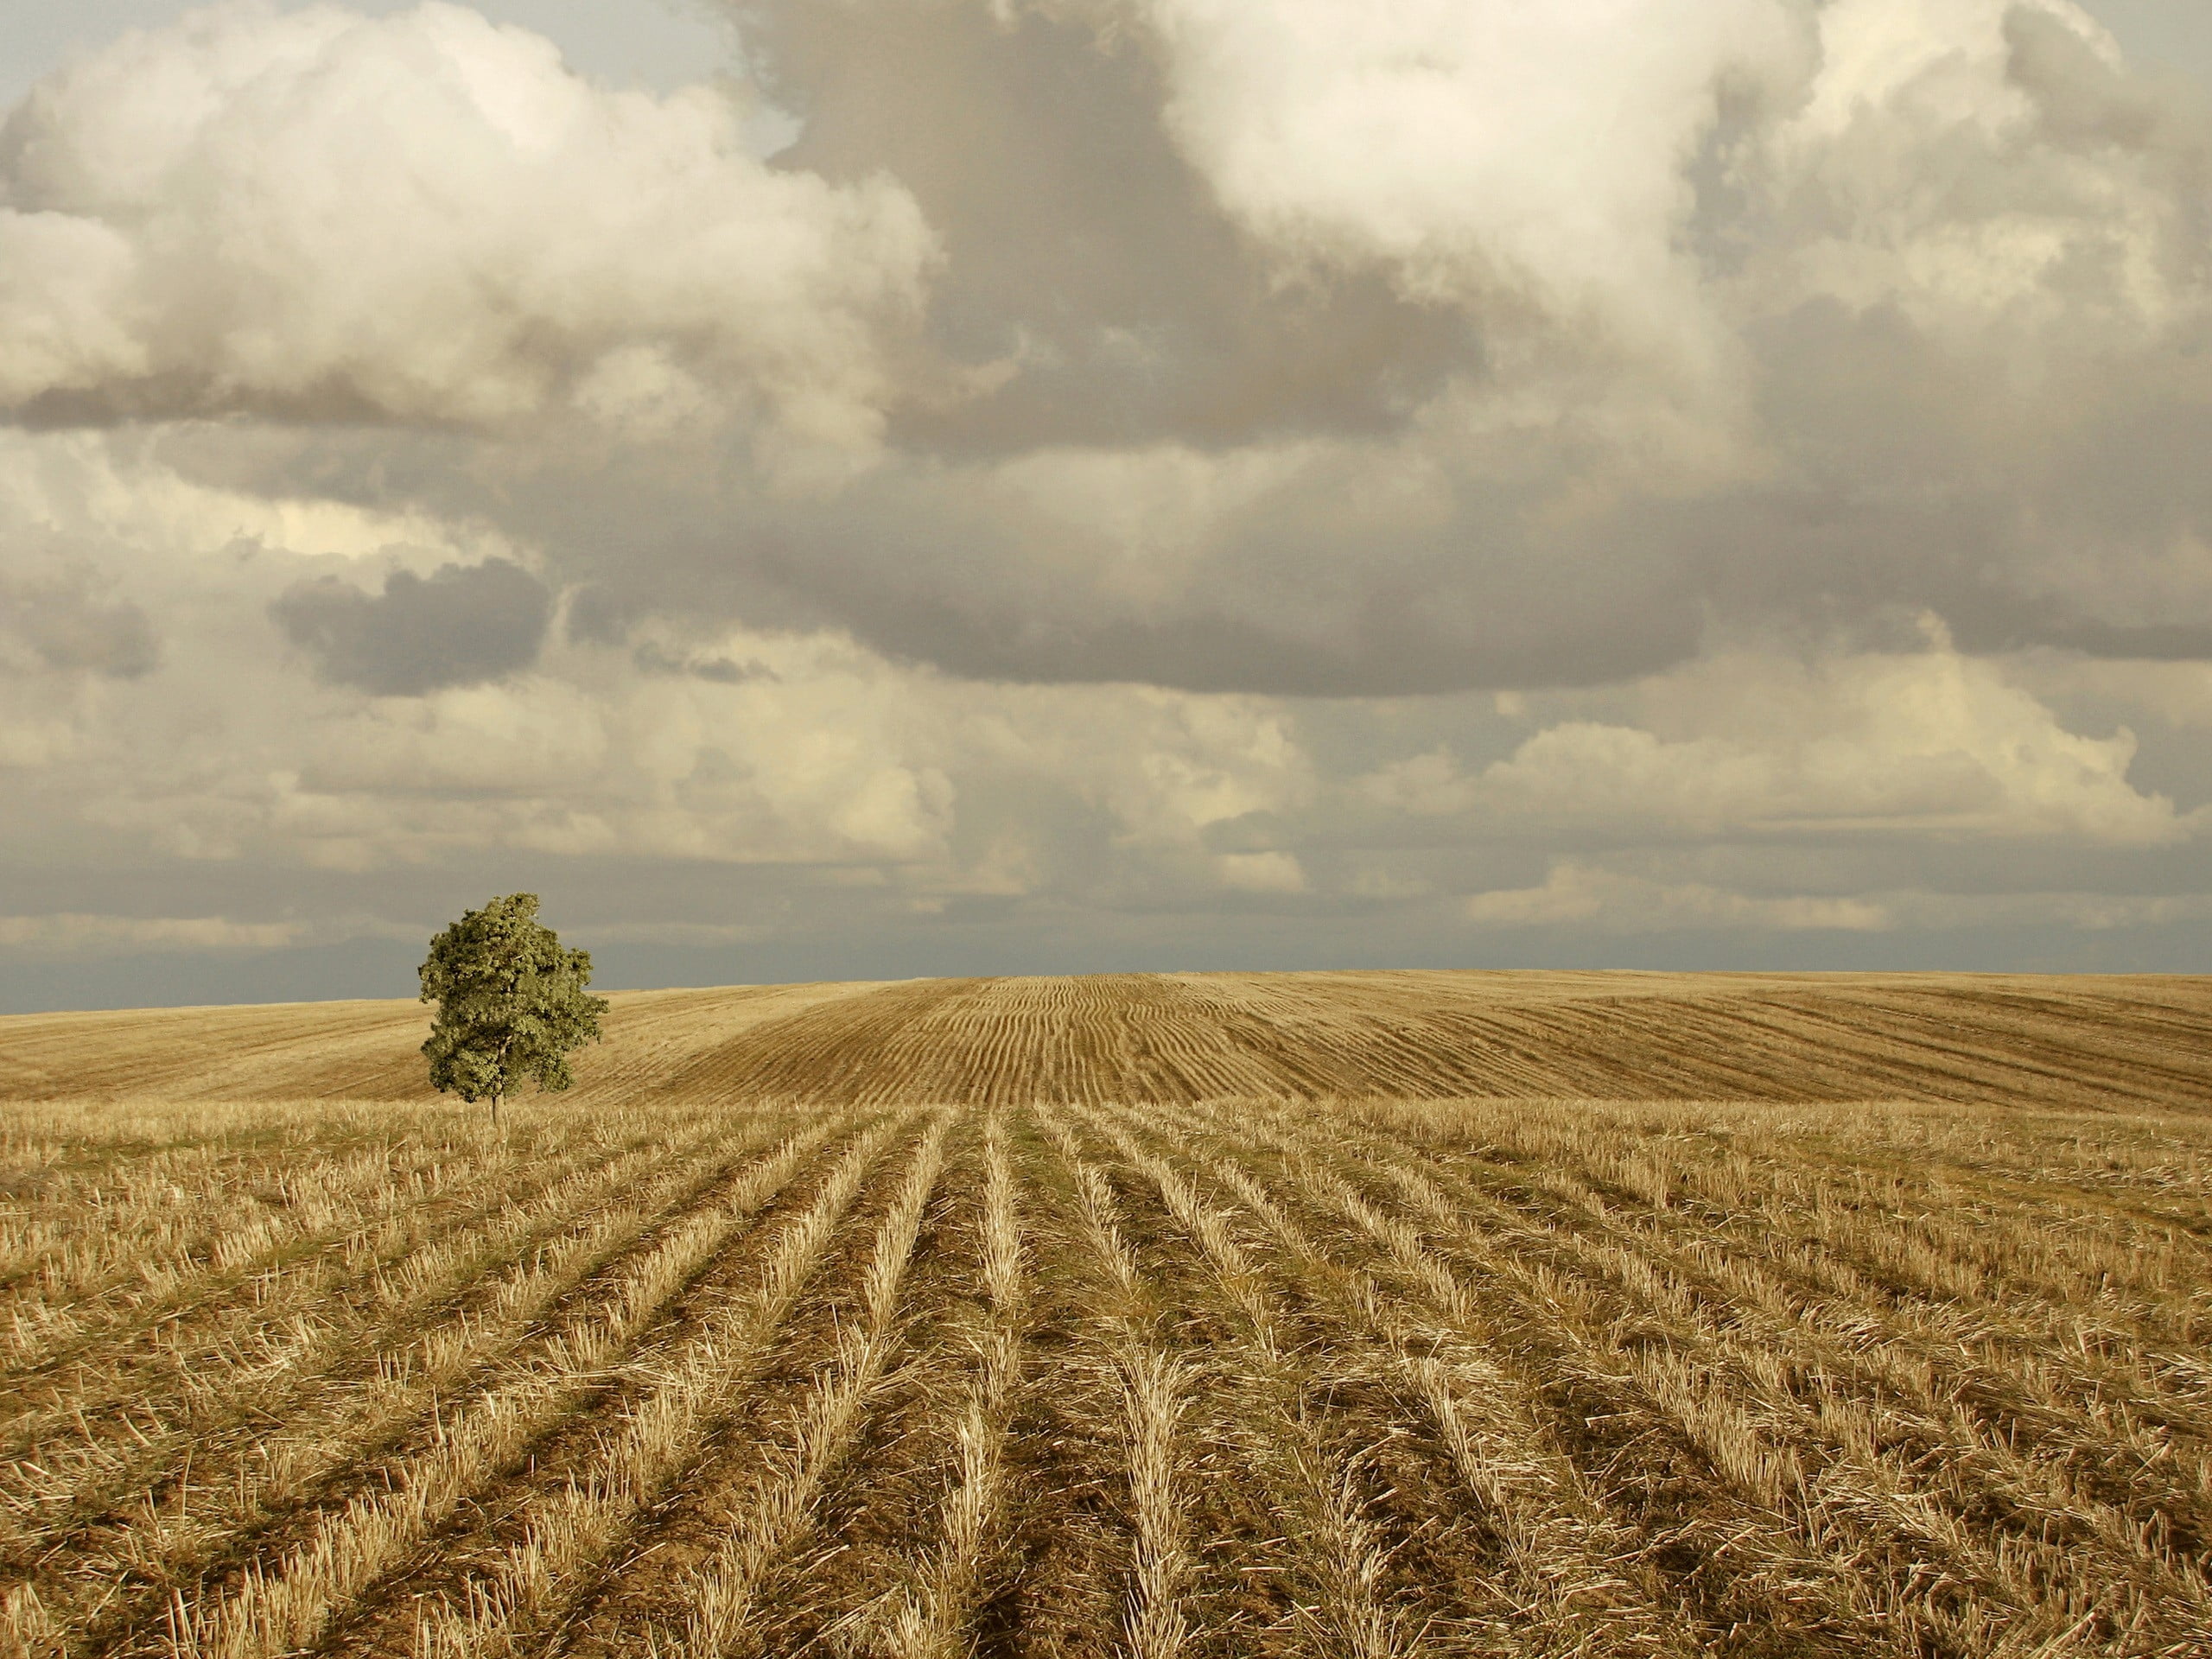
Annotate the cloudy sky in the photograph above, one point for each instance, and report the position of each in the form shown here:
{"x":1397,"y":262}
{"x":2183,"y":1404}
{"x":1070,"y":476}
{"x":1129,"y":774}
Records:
{"x":949,"y":486}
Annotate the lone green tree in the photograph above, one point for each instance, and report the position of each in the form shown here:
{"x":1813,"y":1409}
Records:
{"x":512,"y":1003}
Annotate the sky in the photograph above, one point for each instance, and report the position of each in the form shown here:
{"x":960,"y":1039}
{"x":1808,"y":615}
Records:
{"x":1038,"y":486}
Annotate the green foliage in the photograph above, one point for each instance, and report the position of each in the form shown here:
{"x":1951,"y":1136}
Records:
{"x":512,"y":1003}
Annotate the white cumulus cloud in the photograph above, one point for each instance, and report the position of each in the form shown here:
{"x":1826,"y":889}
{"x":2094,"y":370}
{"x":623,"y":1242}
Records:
{"x":427,"y":217}
{"x":1924,"y":744}
{"x":1474,"y":145}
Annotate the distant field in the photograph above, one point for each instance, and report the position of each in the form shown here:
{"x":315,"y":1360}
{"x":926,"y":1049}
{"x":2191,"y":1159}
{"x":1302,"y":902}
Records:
{"x":1348,"y":1314}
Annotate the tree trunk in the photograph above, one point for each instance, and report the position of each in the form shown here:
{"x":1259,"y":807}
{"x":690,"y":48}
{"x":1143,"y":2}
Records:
{"x":495,"y":1111}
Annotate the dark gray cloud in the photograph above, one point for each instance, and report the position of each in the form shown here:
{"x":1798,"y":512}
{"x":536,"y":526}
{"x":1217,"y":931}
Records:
{"x":463,"y":625}
{"x":1900,"y":457}
{"x":1082,"y":247}
{"x":1336,"y":479}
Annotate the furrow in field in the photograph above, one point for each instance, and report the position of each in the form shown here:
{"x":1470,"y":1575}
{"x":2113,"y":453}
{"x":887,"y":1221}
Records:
{"x":2083,"y":1044}
{"x":1013,"y":1037}
{"x":1891,"y":1252}
{"x":1152,"y":1390}
{"x":2000,"y":1280}
{"x":1730,"y":1401}
{"x":648,"y":1034}
{"x":2033,"y":1435}
{"x":1564,"y":1577}
{"x":1839,"y":1063}
{"x":1433,"y":1053}
{"x":357,"y":1051}
{"x":844,"y":1050}
{"x":276,"y":1606}
{"x":254,"y":1467}
{"x":150,"y":1390}
{"x":181,"y":1557}
{"x":958,"y":1053}
{"x":1903,"y":1053}
{"x":1040,"y":1040}
{"x":1635,"y":1047}
{"x":1334,"y":1573}
{"x":1724,"y":1557}
{"x":773,"y":1517}
{"x":262,"y":1275}
{"x":1144,"y":1017}
{"x":1194,"y":1060}
{"x":284,"y":1307}
{"x":106,"y":1281}
{"x":1983,"y":1194}
{"x":568,"y":1532}
{"x":2086,"y":1231}
{"x":74,"y":1457}
{"x":1743,"y":1048}
{"x":1437,"y":1035}
{"x":1976,"y":1047}
{"x":1609,"y":1368}
{"x":143,"y":1052}
{"x":176,"y":1202}
{"x":1422,"y":1044}
{"x":676,"y":1045}
{"x":1188,"y":1037}
{"x":927,"y":1612}
{"x":1436,"y":1051}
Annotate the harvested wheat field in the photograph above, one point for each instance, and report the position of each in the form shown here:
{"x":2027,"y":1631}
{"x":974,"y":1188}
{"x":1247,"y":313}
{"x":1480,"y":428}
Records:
{"x":1347,"y":1314}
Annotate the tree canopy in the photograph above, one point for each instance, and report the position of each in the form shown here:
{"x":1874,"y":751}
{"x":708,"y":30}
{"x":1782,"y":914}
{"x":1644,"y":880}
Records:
{"x":512,"y":1003}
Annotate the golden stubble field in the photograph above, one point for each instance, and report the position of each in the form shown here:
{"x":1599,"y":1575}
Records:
{"x":1355,"y":1314}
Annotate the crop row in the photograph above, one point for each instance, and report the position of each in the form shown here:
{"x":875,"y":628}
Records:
{"x":1243,"y":1376}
